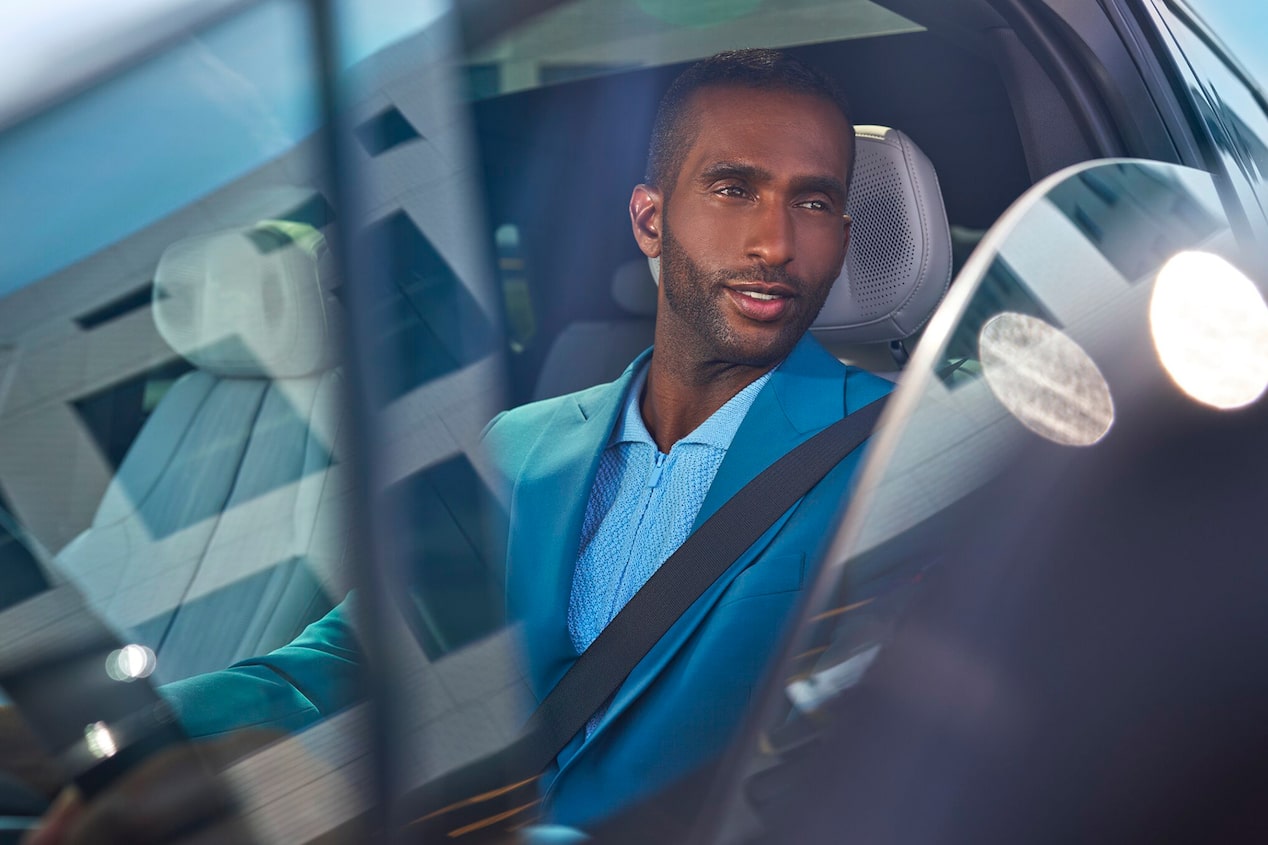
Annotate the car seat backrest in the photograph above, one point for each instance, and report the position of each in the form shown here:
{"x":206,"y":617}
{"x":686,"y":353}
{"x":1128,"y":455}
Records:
{"x":897,"y":269}
{"x":590,"y":352}
{"x":219,"y":535}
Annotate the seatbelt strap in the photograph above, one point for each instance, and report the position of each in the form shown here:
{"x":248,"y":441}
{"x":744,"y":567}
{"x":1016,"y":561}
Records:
{"x":612,"y":656}
{"x":684,"y":577}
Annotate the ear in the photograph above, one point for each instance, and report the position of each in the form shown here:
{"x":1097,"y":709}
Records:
{"x":646,"y":214}
{"x":846,"y":221}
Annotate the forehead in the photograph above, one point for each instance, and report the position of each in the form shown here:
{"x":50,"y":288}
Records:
{"x":787,"y":133}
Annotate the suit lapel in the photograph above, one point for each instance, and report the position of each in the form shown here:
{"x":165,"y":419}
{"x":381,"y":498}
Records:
{"x":803,"y":396}
{"x":548,"y":506}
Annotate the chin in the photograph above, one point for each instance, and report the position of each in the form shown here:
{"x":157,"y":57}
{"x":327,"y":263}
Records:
{"x":760,"y":352}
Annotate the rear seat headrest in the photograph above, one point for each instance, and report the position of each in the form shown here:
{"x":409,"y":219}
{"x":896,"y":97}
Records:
{"x":899,"y":262}
{"x":252,"y":301}
{"x":631,"y":290}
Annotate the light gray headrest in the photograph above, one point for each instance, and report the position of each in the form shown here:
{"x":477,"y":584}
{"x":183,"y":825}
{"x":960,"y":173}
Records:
{"x":899,"y":262}
{"x":251,"y":302}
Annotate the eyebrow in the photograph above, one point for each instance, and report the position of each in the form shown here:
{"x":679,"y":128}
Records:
{"x":735,"y":170}
{"x":829,"y":185}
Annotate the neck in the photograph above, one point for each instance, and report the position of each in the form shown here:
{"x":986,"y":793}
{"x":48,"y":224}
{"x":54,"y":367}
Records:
{"x":680,"y":393}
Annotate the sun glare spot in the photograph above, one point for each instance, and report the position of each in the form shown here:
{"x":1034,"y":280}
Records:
{"x":99,"y":741}
{"x":130,"y":662}
{"x":1045,"y":379}
{"x":1210,"y":328}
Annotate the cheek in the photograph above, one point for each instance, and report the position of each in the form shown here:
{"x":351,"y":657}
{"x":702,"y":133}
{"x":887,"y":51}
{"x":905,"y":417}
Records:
{"x":707,"y":241}
{"x":707,"y":234}
{"x":823,"y":253}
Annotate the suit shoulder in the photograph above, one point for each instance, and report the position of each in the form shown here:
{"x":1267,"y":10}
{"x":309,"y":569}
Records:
{"x":863,"y":388}
{"x":510,"y":435}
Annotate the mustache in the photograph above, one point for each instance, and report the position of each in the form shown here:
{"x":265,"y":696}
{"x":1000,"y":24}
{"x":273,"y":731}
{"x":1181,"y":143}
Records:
{"x":758,"y":273}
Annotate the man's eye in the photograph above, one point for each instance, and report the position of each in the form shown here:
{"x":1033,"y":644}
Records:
{"x":816,"y":205}
{"x":733,"y":191}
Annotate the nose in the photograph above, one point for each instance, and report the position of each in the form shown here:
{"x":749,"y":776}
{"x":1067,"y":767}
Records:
{"x":770,"y":235}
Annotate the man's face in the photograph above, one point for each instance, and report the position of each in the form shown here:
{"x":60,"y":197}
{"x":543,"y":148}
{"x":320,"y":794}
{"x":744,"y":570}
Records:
{"x":751,"y":234}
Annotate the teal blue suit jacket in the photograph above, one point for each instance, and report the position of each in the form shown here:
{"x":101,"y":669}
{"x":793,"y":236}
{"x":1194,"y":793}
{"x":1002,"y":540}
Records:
{"x":682,"y":701}
{"x":678,"y":707}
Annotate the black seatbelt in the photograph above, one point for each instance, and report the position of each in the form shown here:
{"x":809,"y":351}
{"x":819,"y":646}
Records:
{"x":674,"y":587}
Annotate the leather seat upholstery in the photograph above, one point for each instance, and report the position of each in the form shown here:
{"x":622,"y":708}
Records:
{"x":217,"y":534}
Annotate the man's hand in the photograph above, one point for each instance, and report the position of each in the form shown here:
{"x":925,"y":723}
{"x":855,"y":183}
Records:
{"x":176,"y":796}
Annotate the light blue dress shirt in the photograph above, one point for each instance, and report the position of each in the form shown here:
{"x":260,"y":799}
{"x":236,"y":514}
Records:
{"x":642,"y":506}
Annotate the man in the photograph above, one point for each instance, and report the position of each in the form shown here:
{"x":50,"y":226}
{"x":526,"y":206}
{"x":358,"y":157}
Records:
{"x":744,"y":207}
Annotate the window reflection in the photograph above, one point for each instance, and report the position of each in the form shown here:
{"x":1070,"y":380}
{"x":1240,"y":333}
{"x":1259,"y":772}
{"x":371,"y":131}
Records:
{"x":1045,"y":380}
{"x":131,"y":662}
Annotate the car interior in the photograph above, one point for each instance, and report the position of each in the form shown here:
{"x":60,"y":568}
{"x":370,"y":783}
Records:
{"x":967,"y":83}
{"x":994,"y":107}
{"x":970,"y":89}
{"x":213,"y":528}
{"x":951,"y":102}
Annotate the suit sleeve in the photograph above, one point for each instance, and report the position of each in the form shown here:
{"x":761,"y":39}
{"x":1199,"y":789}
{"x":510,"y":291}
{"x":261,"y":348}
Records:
{"x":318,"y":673}
{"x":315,"y":675}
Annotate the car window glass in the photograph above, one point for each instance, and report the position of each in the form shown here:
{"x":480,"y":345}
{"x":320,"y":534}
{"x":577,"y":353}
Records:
{"x":1027,"y":349}
{"x":170,"y":350}
{"x":113,"y":150}
{"x":1235,"y":101}
{"x":1238,"y":27}
{"x":496,"y":179}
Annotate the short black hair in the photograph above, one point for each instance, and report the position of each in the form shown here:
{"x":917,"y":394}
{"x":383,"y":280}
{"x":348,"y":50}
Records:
{"x":759,"y":69}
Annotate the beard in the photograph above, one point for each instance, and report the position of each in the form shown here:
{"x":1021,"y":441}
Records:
{"x":694,"y":296}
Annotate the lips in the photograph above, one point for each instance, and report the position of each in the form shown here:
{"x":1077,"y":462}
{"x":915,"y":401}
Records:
{"x":760,"y":301}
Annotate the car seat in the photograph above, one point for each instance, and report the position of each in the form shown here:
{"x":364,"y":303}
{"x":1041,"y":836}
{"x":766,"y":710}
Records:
{"x":590,"y":352}
{"x":897,"y":269}
{"x":214,"y":539}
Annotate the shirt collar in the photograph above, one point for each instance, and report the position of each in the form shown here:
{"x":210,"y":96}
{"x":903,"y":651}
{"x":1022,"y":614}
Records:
{"x":717,"y":431}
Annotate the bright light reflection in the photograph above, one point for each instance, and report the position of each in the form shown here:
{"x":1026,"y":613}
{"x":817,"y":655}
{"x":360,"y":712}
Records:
{"x":130,"y":662}
{"x":100,"y":741}
{"x":1045,"y":379}
{"x":1210,"y":329}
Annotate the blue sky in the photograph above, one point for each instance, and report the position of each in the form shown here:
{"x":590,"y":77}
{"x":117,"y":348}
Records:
{"x":1243,"y":26}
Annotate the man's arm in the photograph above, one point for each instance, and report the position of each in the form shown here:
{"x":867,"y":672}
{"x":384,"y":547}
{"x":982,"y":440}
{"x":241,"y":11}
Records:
{"x":315,"y":675}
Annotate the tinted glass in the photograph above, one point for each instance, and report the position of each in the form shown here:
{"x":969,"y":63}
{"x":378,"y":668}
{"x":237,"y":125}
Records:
{"x":1230,"y":93}
{"x":172,"y":376}
{"x":171,"y":357}
{"x":497,"y":181}
{"x":1049,"y":340}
